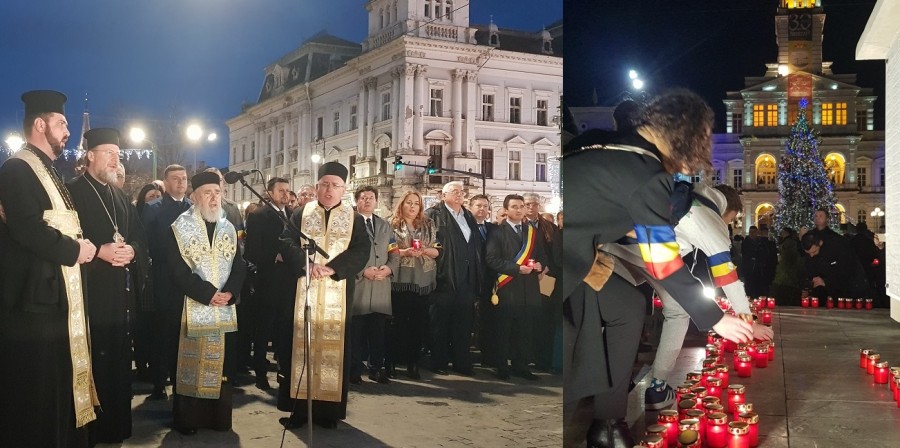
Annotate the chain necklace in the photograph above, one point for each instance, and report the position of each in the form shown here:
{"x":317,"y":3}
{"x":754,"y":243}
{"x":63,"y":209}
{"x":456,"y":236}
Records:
{"x":113,"y":219}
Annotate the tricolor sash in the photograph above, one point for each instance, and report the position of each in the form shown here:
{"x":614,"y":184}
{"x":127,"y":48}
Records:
{"x":523,"y":255}
{"x":65,"y":220}
{"x":201,"y":345}
{"x":328,"y":309}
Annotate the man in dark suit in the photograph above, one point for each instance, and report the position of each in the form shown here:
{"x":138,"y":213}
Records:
{"x":480,"y":206}
{"x":276,"y":285}
{"x":40,"y":290}
{"x":157,"y":218}
{"x":550,"y":315}
{"x":459,"y":276}
{"x":516,"y":252}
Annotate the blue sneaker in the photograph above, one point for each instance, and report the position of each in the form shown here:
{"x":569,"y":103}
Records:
{"x":660,"y":397}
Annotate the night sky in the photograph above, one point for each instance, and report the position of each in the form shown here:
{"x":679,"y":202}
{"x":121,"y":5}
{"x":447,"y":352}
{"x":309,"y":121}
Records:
{"x":708,"y":47}
{"x":151,"y":61}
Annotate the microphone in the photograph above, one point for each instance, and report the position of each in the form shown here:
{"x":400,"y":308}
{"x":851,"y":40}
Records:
{"x":232,"y":177}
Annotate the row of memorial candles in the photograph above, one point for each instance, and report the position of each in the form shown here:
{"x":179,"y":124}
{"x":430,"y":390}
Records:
{"x":842,"y":303}
{"x":881,"y":371}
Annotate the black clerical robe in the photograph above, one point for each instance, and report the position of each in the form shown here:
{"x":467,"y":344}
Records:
{"x":346,"y":265}
{"x":110,"y":297}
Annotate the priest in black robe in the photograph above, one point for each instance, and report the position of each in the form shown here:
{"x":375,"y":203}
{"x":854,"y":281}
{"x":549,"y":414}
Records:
{"x":110,"y":221}
{"x":40,"y":291}
{"x":207,"y":269}
{"x":341,"y":232}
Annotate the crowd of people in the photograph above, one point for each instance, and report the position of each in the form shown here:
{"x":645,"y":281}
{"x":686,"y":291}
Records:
{"x":190,"y":291}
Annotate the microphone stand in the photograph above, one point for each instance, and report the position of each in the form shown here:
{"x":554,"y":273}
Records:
{"x":309,"y":249}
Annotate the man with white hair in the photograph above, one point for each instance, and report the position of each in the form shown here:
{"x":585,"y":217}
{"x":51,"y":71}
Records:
{"x":459,"y":278}
{"x":207,"y":269}
{"x":120,"y":176}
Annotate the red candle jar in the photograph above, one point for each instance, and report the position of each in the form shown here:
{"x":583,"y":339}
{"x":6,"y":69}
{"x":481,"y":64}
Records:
{"x":895,"y":374}
{"x":700,"y":417}
{"x":700,"y":393}
{"x":881,"y":372}
{"x":722,"y":374}
{"x":669,"y":419}
{"x":771,"y":345}
{"x":659,"y":430}
{"x":840,"y":302}
{"x":762,"y":355}
{"x":693,"y":376}
{"x":713,"y":387}
{"x":897,"y":391}
{"x":829,"y":304}
{"x":766,"y":317}
{"x":711,"y":361}
{"x":716,"y":430}
{"x":864,"y":357}
{"x":730,"y":345}
{"x":751,"y":349}
{"x":743,"y":366}
{"x":804,"y":302}
{"x":742,"y":408}
{"x":814,"y":301}
{"x":738,"y":435}
{"x":416,"y":244}
{"x":653,"y":441}
{"x":735,"y":396}
{"x":870,"y":364}
{"x":685,"y":405}
{"x":713,"y":407}
{"x":752,"y":421}
{"x":868,"y":304}
{"x":771,"y":303}
{"x":690,"y":425}
{"x":738,"y":354}
{"x":681,"y":390}
{"x":859,"y":304}
{"x":688,"y":439}
{"x":712,"y":337}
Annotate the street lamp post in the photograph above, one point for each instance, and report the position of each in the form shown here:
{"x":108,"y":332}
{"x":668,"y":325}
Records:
{"x":878,"y":213}
{"x":316,"y":158}
{"x":194,"y":133}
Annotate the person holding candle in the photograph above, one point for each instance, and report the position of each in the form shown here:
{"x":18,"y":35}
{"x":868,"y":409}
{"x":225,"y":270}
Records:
{"x":832,"y":268}
{"x":516,"y":253}
{"x":618,"y":185}
{"x":415,"y":279}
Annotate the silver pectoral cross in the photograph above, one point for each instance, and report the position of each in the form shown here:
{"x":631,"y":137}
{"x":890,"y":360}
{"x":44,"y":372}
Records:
{"x":117,"y":237}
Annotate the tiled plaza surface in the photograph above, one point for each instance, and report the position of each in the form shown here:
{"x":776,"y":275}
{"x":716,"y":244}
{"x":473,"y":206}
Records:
{"x":813,"y":394}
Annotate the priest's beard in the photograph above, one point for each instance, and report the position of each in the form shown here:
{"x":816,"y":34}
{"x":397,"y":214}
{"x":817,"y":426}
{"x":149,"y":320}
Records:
{"x":211,"y":214}
{"x":107,"y":176}
{"x":56,"y":145}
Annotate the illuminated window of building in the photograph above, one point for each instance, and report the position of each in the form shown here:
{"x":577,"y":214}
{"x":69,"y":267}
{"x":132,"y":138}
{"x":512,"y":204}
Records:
{"x":771,"y":115}
{"x":840,"y":114}
{"x":765,"y":170}
{"x":758,"y":114}
{"x":834,"y":167}
{"x":862,"y":120}
{"x":827,"y":114}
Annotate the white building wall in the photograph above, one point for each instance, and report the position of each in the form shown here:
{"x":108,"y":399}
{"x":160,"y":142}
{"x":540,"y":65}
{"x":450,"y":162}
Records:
{"x":892,"y":175}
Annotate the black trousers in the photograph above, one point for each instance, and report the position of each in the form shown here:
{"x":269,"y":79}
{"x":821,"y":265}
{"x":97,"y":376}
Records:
{"x":514,"y":329}
{"x":407,"y":328}
{"x":452,"y":315}
{"x":546,"y":321}
{"x":367,"y":333}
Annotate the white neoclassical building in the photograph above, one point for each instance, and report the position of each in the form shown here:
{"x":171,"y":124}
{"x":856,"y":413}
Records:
{"x":425,"y":85}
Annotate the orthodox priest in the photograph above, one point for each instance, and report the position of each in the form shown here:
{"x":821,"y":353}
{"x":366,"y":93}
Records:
{"x":110,"y":221}
{"x":341,"y":233}
{"x":45,"y":362}
{"x":207,"y":268}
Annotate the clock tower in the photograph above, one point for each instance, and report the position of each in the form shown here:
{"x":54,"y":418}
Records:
{"x":798,"y":32}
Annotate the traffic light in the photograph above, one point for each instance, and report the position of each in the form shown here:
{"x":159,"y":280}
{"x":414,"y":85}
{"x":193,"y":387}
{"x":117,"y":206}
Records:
{"x":431,"y":168}
{"x":398,"y":163}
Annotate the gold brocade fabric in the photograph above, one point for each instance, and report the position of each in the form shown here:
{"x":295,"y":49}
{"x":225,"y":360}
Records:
{"x":327,"y":308}
{"x":66,"y":221}
{"x":201,"y":344}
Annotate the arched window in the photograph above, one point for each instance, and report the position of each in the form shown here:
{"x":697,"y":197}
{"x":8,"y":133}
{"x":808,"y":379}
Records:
{"x":842,"y":213}
{"x":861,"y":215}
{"x":765,"y":215}
{"x":835,"y":167}
{"x":766,"y":170}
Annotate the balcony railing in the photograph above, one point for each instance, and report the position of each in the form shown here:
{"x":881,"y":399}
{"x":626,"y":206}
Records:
{"x":381,"y":180}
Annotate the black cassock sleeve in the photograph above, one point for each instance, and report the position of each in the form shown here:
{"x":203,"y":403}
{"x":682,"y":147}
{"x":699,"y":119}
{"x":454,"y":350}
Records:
{"x":351,"y":261}
{"x":195,"y":287}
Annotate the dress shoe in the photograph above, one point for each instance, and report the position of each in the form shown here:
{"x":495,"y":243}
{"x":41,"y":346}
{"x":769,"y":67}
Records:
{"x":188,"y":431}
{"x":502,"y":375}
{"x":379,"y":377}
{"x":609,"y":434}
{"x":263,"y":383}
{"x":412,"y":372}
{"x":524,"y":373}
{"x":356,"y":380}
{"x":158,"y":394}
{"x":289,"y":423}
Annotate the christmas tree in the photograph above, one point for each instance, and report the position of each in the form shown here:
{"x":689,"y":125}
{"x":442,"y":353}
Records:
{"x":803,"y":186}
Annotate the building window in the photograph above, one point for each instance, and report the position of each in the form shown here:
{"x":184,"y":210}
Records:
{"x":487,"y":163}
{"x":542,"y":112}
{"x":353,"y":110}
{"x":771,"y":115}
{"x":487,"y":107}
{"x":881,"y":176}
{"x":716,"y":176}
{"x":515,"y":160}
{"x":737,"y":123}
{"x":337,"y":123}
{"x":437,"y":102}
{"x":234,"y":154}
{"x":827,"y":114}
{"x":320,"y":127}
{"x":351,"y":169}
{"x":281,"y":140}
{"x":384,"y":157}
{"x":861,"y":176}
{"x":436,"y":156}
{"x":515,"y":109}
{"x":695,"y":179}
{"x":244,"y":151}
{"x":253,"y":150}
{"x":759,"y":112}
{"x":840,"y":114}
{"x":540,"y":167}
{"x":427,"y":10}
{"x":738,"y":178}
{"x":386,"y":106}
{"x":269,"y":148}
{"x":862,"y":120}
{"x":448,"y":14}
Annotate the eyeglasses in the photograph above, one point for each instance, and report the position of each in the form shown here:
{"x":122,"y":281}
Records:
{"x":330,"y":186}
{"x":461,"y":193}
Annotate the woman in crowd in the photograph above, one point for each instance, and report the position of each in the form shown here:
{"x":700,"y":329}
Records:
{"x":416,"y":278}
{"x":148,"y":193}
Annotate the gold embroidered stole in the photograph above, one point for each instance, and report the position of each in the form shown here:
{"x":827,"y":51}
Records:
{"x":66,"y":221}
{"x":327,"y":308}
{"x":201,"y":344}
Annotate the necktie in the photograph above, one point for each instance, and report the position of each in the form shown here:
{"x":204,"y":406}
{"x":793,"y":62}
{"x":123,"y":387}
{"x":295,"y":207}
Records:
{"x":483,"y":231}
{"x":534,"y":223}
{"x":518,"y":229}
{"x":370,"y":228}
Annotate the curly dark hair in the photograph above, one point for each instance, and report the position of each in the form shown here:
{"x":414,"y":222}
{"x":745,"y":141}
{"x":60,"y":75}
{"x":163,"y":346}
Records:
{"x":685,"y":121}
{"x":732,"y":198}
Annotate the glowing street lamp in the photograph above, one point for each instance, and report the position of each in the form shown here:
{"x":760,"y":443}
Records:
{"x":14,"y":142}
{"x":194,"y":133}
{"x":211,"y":137}
{"x":878,"y":213}
{"x":632,"y":74}
{"x":137,"y":135}
{"x":637,"y":84}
